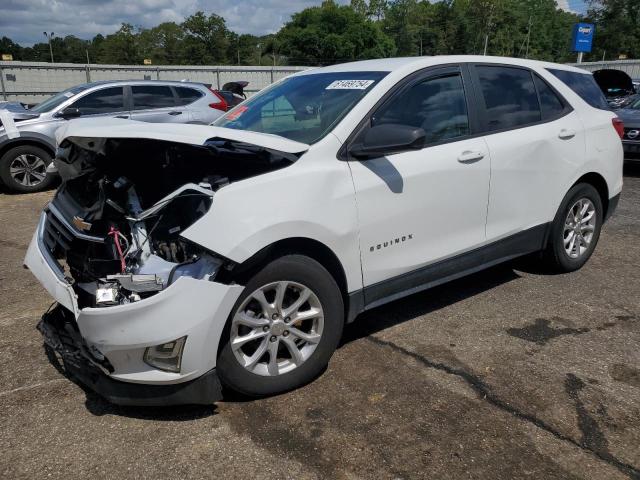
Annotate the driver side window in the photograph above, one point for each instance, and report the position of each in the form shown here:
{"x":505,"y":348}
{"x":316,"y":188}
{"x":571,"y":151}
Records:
{"x":437,"y":105}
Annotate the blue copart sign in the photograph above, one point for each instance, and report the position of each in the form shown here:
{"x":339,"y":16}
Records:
{"x":583,"y":37}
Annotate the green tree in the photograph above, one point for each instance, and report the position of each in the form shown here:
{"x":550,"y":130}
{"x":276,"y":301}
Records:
{"x":617,"y":28}
{"x":121,"y":47}
{"x":331,"y":33}
{"x":360,"y":7}
{"x":207,"y":38}
{"x":9,"y":46}
{"x":163,"y":44}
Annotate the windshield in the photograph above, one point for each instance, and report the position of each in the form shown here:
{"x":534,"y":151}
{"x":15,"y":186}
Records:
{"x":59,"y":98}
{"x":302,"y":108}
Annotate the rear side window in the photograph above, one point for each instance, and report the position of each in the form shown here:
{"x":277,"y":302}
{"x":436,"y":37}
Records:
{"x":584,"y":85}
{"x":550,"y":104}
{"x":107,"y":100}
{"x":510,"y":97}
{"x":187,"y":95}
{"x":151,"y":96}
{"x":437,"y":105}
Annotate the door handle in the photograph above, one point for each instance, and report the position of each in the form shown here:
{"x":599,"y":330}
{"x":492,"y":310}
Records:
{"x":566,"y":134}
{"x":175,"y":112}
{"x":469,"y":156}
{"x":122,"y":116}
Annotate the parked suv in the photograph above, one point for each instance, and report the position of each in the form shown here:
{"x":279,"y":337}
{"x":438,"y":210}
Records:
{"x":27,"y":143}
{"x":630,"y":115}
{"x":183,"y":257}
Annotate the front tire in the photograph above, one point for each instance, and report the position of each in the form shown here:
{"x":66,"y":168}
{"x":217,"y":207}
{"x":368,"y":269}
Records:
{"x":283,"y":328}
{"x":576,"y":229}
{"x":24,"y":169}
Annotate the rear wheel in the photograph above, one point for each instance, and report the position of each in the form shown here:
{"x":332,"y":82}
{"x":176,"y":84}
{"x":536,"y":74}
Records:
{"x":576,"y":229}
{"x":24,"y":169}
{"x":283,"y":329}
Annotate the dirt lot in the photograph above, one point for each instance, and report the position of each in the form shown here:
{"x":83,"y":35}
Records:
{"x":505,"y":374}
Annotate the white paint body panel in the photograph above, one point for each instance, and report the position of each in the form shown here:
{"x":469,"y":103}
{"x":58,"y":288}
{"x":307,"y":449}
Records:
{"x":313,"y":198}
{"x":171,"y":132}
{"x":531,"y":171}
{"x":440,"y":202}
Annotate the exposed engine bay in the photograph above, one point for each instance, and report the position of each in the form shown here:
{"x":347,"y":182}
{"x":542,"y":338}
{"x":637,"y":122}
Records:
{"x":115,"y":223}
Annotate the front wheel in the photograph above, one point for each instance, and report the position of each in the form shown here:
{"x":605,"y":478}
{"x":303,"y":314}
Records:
{"x":576,"y":229}
{"x":283,"y":329}
{"x":24,"y":169}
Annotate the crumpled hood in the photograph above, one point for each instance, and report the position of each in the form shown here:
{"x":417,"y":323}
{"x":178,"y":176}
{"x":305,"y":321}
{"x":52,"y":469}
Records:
{"x":173,"y":132}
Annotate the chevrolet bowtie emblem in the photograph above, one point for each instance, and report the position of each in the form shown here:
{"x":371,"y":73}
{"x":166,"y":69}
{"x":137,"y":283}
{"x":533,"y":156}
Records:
{"x":81,"y":224}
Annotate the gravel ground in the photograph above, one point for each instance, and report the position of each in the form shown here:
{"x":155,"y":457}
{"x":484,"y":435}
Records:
{"x":505,"y":374}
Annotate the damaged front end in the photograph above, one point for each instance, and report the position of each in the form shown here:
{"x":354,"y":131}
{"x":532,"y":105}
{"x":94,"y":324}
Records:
{"x":115,"y":224}
{"x":138,"y":303}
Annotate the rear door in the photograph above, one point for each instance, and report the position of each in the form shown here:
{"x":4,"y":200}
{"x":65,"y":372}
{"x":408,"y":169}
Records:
{"x":536,"y":141}
{"x":156,"y":104}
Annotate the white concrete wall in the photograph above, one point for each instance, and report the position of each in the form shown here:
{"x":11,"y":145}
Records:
{"x":631,"y":67}
{"x":32,"y":82}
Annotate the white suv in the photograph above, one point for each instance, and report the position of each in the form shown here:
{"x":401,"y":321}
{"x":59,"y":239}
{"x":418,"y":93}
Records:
{"x":183,"y":257}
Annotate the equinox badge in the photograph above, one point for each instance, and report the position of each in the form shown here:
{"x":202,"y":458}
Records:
{"x":391,"y":242}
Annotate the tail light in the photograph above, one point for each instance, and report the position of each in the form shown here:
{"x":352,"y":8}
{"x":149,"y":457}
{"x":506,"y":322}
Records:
{"x":221,"y":104}
{"x":619,"y":126}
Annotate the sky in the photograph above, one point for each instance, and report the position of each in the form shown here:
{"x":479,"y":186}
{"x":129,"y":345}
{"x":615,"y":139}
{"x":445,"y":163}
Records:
{"x":24,"y":20}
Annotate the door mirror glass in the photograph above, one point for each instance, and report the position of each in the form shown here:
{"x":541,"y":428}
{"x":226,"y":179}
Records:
{"x":70,"y":112}
{"x":387,"y":139}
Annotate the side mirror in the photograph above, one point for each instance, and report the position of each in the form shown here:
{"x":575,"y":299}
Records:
{"x":70,"y":112}
{"x":383,"y":140}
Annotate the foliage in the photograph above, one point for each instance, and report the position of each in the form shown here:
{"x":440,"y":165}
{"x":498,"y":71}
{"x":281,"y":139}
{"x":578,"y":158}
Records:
{"x":331,"y":33}
{"x":617,"y":28}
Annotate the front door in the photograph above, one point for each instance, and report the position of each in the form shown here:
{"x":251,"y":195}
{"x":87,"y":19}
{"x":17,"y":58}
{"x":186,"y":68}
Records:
{"x":419,"y":207}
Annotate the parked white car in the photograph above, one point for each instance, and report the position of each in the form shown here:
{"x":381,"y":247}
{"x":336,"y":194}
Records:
{"x":186,"y":256}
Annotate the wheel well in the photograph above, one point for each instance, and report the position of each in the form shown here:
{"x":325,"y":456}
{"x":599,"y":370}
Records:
{"x":600,"y":184}
{"x":26,"y":141}
{"x":241,"y":273}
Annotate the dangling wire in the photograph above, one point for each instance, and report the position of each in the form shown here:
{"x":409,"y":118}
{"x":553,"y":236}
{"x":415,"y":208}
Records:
{"x":116,"y":239}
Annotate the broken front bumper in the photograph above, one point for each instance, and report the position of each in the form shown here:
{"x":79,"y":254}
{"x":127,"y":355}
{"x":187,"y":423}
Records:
{"x":89,"y":368}
{"x":197,"y":309}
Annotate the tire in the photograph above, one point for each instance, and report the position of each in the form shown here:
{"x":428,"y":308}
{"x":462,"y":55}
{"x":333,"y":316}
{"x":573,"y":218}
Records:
{"x":258,"y":380}
{"x":35,"y":160}
{"x":556,"y":255}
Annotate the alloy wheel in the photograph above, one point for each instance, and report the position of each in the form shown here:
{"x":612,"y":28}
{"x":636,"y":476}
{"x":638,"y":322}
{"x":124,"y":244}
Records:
{"x":579,"y":227}
{"x":28,"y":170}
{"x":277,"y":328}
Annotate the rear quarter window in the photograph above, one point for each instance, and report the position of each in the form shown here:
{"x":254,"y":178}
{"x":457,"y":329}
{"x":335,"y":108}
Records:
{"x":550,"y":104}
{"x":187,"y":95}
{"x":584,"y":85}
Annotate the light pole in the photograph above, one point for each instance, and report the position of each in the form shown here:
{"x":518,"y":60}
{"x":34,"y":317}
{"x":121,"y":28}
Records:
{"x":49,"y":37}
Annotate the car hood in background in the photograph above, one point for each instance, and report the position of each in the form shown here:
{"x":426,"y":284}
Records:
{"x":17,"y":111}
{"x":95,"y":128}
{"x":630,"y":117}
{"x":613,"y":82}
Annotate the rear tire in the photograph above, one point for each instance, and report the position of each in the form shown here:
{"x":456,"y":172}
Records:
{"x":23,"y":169}
{"x":575,"y":230}
{"x":265,"y":310}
